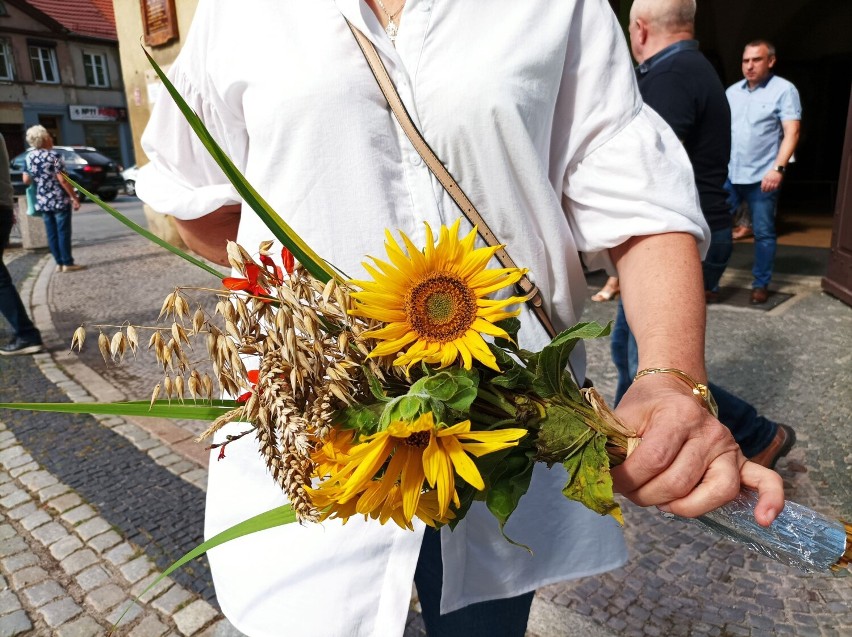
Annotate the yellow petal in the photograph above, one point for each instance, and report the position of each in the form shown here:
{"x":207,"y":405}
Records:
{"x":464,"y":466}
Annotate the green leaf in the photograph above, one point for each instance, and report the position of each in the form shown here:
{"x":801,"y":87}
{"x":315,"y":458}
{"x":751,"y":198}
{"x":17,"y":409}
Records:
{"x":513,"y":374}
{"x":505,"y":494}
{"x":552,"y":379}
{"x":589,"y":480}
{"x":144,"y":232}
{"x":270,"y":519}
{"x":375,"y":385}
{"x":491,"y":467}
{"x":512,"y":326}
{"x":456,"y":388}
{"x":364,"y":418}
{"x":190,"y":410}
{"x":312,"y":262}
{"x":562,"y":432}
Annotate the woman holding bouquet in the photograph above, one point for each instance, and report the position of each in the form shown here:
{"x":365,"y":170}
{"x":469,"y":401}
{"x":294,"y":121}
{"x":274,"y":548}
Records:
{"x":533,"y":109}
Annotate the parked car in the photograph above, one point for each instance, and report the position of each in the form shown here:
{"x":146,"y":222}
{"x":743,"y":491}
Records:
{"x":129,"y":176}
{"x":95,"y":172}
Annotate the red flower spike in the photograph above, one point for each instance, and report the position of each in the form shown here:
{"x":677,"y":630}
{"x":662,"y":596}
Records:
{"x":248,"y":284}
{"x":288,"y":260}
{"x":221,"y":453}
{"x":252,"y":377}
{"x":274,"y":271}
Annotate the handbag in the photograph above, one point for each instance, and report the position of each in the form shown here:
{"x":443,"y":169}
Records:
{"x":533,"y":295}
{"x":31,"y":201}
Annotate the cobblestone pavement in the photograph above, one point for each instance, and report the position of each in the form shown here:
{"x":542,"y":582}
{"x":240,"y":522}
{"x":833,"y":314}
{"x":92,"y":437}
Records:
{"x":91,"y":509}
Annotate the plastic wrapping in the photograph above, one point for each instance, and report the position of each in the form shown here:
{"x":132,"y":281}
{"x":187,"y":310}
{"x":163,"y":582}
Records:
{"x":799,"y":537}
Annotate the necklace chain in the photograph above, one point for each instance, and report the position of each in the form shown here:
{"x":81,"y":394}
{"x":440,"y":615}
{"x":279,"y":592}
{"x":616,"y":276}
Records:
{"x":392,"y":28}
{"x":386,"y":12}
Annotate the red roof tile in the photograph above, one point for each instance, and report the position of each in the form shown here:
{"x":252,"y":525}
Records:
{"x":93,"y":18}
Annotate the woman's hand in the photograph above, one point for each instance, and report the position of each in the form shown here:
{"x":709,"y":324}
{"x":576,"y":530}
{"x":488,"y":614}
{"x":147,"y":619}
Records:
{"x":687,"y":463}
{"x":75,"y":201}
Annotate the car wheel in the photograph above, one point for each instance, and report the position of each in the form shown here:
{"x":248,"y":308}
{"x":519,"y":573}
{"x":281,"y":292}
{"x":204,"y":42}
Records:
{"x":108,"y":195}
{"x":130,"y":187}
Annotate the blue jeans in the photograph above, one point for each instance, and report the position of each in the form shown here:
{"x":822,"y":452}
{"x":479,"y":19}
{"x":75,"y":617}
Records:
{"x":625,"y":353}
{"x":11,"y":306}
{"x":752,"y":432}
{"x":718,"y":255}
{"x":762,"y":207}
{"x":57,"y":225}
{"x":504,"y":617}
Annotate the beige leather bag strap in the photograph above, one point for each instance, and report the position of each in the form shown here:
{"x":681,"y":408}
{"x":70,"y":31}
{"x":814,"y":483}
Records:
{"x":533,"y":294}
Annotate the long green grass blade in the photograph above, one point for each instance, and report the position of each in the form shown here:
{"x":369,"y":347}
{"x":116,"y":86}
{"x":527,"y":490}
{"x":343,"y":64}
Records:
{"x":276,"y":517}
{"x":143,"y":231}
{"x":190,"y":410}
{"x":282,"y":231}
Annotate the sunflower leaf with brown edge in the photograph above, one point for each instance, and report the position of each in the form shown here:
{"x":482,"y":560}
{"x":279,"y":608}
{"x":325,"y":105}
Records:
{"x":589,"y":480}
{"x":562,"y":434}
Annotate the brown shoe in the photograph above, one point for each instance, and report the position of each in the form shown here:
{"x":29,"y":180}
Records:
{"x":711,"y":297}
{"x":777,"y":448}
{"x":73,"y":268}
{"x":759,"y":296}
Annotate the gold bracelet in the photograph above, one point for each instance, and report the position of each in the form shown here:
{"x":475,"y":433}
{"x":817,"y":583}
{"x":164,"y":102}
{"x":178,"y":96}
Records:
{"x":699,"y":390}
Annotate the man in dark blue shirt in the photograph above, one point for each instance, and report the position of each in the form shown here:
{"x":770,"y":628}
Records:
{"x":678,"y":82}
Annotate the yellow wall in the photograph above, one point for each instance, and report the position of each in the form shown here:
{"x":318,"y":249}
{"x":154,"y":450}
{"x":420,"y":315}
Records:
{"x":139,"y":78}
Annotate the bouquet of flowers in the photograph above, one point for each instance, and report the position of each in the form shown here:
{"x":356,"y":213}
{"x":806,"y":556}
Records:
{"x":402,"y":395}
{"x":382,"y":397}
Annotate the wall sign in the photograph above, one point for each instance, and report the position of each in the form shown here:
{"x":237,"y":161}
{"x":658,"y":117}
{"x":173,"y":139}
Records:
{"x":82,"y":113}
{"x":159,"y":21}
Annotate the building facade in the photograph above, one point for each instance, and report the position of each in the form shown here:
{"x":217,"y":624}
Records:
{"x":60,"y":67}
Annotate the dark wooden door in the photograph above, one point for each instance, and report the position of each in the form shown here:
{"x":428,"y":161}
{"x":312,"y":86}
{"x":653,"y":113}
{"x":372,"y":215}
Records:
{"x":838,"y":279}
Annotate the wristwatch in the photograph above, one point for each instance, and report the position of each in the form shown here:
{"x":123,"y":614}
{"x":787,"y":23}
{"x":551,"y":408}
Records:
{"x":780,"y":169}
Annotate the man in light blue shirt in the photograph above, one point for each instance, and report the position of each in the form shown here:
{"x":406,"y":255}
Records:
{"x":765,"y":118}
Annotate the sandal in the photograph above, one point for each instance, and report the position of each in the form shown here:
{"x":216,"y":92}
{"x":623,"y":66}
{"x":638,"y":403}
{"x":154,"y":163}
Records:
{"x":741,"y":232}
{"x":608,"y":292}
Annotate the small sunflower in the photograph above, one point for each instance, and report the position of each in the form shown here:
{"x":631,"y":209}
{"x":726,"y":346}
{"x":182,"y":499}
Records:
{"x":407,"y":457}
{"x":433,"y":302}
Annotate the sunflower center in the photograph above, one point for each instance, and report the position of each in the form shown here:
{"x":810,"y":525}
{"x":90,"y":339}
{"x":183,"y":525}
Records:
{"x":441,"y":307}
{"x":419,"y":439}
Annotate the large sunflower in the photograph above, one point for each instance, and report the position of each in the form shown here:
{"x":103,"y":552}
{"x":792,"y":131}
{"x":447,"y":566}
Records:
{"x":406,"y":457}
{"x":433,"y":302}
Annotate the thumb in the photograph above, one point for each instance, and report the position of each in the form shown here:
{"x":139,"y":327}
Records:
{"x":770,"y":491}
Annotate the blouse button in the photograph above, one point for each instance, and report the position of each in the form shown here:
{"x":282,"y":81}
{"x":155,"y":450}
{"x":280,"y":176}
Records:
{"x":415,"y":159}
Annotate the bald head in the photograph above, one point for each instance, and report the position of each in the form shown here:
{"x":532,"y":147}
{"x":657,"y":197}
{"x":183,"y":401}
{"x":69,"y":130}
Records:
{"x":665,"y":15}
{"x":656,"y":24}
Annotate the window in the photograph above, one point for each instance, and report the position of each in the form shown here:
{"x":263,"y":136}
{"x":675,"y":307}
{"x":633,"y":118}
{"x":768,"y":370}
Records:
{"x":6,"y":66}
{"x":3,"y":10}
{"x":43,"y":61}
{"x":96,"y":69}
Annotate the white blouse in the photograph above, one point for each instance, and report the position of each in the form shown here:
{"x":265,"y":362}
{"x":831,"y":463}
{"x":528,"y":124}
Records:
{"x":533,"y":108}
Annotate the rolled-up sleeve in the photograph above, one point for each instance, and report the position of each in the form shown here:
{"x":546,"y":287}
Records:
{"x":625,"y":172}
{"x":639,"y":182}
{"x":181,"y":178}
